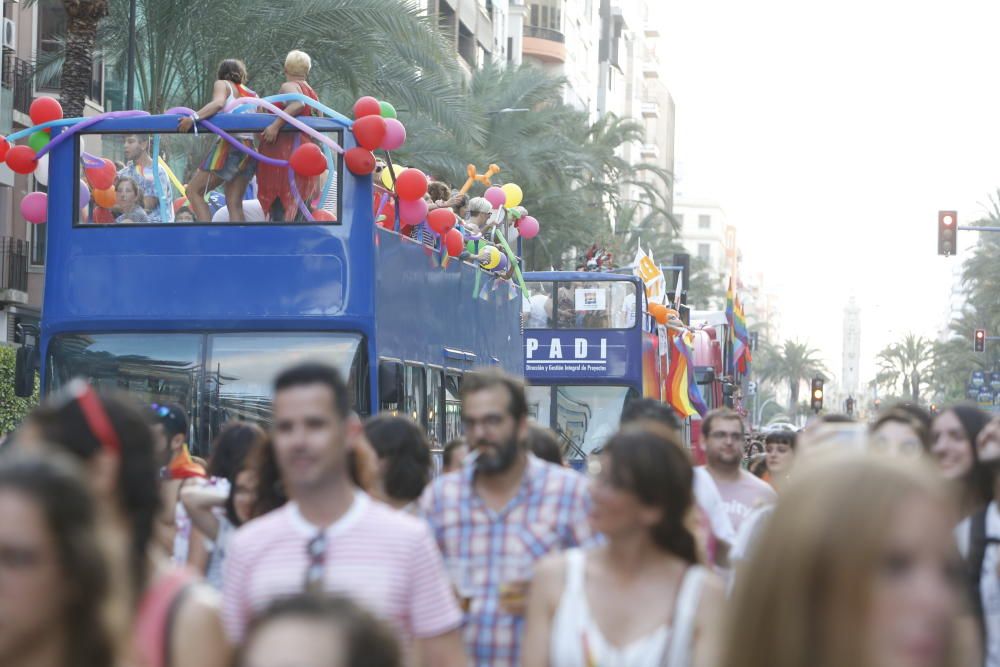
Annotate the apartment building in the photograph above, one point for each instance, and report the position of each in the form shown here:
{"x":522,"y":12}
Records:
{"x":28,"y":34}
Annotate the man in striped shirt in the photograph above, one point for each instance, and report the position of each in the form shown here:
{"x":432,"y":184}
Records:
{"x":503,"y":511}
{"x":333,"y":537}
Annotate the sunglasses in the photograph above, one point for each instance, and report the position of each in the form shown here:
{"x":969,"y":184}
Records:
{"x":316,"y":552}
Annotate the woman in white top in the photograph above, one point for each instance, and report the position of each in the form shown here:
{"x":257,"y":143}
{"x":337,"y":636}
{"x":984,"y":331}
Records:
{"x":640,"y":600}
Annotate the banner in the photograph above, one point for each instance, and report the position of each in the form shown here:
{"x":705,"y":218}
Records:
{"x":652,"y":277}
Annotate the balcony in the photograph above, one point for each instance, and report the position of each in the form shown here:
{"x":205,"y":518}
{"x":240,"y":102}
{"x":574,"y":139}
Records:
{"x":651,"y":70}
{"x":650,"y":110}
{"x":13,"y":270}
{"x":18,"y":76}
{"x":545,"y":44}
{"x":650,"y":151}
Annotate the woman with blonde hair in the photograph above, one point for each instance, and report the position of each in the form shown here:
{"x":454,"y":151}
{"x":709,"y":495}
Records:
{"x":857,"y":567}
{"x":274,"y":190}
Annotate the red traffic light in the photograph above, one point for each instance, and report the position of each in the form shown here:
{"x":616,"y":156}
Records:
{"x":947,"y":229}
{"x":979,"y":340}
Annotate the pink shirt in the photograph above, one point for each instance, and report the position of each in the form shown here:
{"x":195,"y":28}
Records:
{"x":384,"y":559}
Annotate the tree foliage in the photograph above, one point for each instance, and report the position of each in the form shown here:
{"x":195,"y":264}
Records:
{"x":791,"y":363}
{"x":13,"y":409}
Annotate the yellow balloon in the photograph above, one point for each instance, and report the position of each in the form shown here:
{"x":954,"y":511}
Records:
{"x":387,"y":179}
{"x":494,"y":258}
{"x":514,"y":194}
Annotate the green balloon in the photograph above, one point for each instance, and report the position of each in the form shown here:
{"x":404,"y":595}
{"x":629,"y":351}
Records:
{"x":37,"y":140}
{"x":388,"y":111}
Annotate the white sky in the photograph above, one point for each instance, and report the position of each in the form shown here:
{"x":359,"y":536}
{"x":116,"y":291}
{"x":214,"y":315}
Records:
{"x":832,"y":133}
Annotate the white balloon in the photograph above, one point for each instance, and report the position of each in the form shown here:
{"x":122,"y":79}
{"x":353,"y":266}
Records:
{"x":42,"y":170}
{"x":252,"y":212}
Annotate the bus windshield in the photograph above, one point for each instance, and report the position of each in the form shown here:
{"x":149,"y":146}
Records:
{"x":215,"y":377}
{"x":580,"y":305}
{"x":583,"y":416}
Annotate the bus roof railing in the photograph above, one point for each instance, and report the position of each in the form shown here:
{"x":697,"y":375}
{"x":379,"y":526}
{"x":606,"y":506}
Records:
{"x":578,"y":276}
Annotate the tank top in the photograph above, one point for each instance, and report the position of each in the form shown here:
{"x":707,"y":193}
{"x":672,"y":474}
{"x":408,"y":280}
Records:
{"x":243,"y":92}
{"x":576,"y":640}
{"x":155,"y":618}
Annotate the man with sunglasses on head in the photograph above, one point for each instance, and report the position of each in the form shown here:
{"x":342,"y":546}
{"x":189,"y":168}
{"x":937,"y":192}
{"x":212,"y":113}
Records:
{"x":333,"y":537}
{"x":724,"y":434}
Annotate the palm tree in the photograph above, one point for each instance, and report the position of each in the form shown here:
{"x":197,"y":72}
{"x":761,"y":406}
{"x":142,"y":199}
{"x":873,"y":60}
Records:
{"x":907,"y":363}
{"x":83,"y":20}
{"x":793,"y":362}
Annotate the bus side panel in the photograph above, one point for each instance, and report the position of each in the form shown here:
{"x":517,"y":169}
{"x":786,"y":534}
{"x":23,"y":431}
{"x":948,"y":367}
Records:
{"x":421,"y":309}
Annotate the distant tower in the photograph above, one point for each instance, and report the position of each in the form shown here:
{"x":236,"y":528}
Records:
{"x":851,"y":373}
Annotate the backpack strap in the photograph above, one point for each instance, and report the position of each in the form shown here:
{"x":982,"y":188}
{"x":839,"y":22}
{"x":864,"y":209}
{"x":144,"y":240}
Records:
{"x":978,"y":543}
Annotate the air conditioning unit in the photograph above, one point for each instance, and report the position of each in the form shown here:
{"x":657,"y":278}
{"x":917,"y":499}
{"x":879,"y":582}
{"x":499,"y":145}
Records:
{"x":9,"y":34}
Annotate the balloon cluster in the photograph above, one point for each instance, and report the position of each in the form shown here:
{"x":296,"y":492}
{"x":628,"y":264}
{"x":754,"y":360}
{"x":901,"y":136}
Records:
{"x":375,"y":127}
{"x":24,"y":159}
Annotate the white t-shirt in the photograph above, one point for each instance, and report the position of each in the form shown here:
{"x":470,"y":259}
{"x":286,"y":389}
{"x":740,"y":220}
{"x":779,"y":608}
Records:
{"x":707,"y":495}
{"x":989,"y":580}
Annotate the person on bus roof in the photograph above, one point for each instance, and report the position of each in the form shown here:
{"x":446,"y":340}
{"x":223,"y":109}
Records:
{"x":223,"y":164}
{"x":273,"y":188}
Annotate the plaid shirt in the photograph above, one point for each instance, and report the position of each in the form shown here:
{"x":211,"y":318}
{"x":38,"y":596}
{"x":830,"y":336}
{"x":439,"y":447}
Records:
{"x":548,"y":514}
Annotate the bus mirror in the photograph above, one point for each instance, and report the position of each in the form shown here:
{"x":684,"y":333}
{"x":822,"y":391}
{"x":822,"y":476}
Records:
{"x":24,"y":371}
{"x":390,"y":382}
{"x":704,"y":375}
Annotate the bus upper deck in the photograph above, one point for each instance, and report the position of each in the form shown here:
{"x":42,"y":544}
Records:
{"x":203,"y":314}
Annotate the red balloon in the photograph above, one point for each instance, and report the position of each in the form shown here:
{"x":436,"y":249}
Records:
{"x":369,"y":131}
{"x":44,"y":109}
{"x":308,"y":160}
{"x":367,"y":106}
{"x":21,"y":159}
{"x":103,"y":177}
{"x":389,"y":215}
{"x":4,"y":147}
{"x":441,"y":220}
{"x":322,"y":215}
{"x":359,"y":161}
{"x":411,"y":184}
{"x":454,"y":242}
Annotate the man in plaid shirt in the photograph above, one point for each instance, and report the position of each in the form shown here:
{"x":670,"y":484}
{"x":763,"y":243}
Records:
{"x":498,"y":515}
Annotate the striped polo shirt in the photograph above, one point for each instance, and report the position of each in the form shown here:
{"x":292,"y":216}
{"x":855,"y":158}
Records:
{"x":386,"y":560}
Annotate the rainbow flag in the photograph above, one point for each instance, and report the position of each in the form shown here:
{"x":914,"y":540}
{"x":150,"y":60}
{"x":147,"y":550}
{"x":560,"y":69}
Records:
{"x":683,"y":394}
{"x":743,"y":355}
{"x":729,"y":351}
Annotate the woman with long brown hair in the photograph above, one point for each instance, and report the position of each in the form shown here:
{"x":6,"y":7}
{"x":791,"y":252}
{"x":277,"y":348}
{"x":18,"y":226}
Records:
{"x":857,"y":566}
{"x":641,"y":599}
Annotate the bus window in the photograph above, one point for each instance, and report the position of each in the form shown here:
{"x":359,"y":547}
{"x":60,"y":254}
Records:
{"x":155,"y":368}
{"x":596,"y":305}
{"x":414,"y":394}
{"x":141,"y":194}
{"x":452,"y":407}
{"x":435,"y":380}
{"x":390,"y":385}
{"x":540,"y":404}
{"x":536,"y":309}
{"x":241,"y":369}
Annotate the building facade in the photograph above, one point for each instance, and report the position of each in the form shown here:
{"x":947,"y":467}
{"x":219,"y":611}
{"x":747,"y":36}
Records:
{"x":703,"y":228}
{"x":851,"y":366}
{"x":29,"y":33}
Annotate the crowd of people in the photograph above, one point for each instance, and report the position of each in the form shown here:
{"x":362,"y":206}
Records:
{"x":326,"y":540}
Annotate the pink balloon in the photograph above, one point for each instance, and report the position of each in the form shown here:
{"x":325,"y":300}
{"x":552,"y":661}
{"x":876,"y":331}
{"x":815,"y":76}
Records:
{"x":395,"y":135}
{"x":528,"y":227}
{"x":35,"y":207}
{"x":495,"y":196}
{"x":412,"y":211}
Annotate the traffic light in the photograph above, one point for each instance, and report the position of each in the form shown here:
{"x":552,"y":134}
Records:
{"x":934,"y":408}
{"x":947,"y":232}
{"x":979,"y":340}
{"x":850,"y":406}
{"x":816,"y":396}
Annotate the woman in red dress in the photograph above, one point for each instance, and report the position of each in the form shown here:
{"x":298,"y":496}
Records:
{"x":273,"y":188}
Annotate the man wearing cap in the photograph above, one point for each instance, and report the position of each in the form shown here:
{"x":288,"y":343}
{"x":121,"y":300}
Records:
{"x":173,"y":526}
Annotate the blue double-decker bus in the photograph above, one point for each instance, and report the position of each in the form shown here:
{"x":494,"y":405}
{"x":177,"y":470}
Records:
{"x":589,"y":346}
{"x":205,"y":314}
